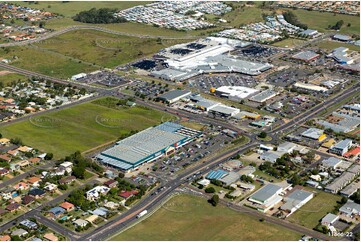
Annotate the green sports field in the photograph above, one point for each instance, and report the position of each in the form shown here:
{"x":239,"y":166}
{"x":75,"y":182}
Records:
{"x":192,"y":218}
{"x":81,"y":127}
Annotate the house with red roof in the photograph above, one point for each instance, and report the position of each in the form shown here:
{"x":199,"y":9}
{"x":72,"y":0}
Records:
{"x":127,"y":194}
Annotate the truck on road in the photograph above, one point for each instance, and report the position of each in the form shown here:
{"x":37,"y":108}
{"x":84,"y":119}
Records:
{"x":141,"y":214}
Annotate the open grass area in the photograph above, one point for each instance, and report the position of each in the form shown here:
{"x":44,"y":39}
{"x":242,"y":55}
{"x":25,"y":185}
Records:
{"x":81,"y":127}
{"x":330,"y":45}
{"x":44,"y":62}
{"x":310,"y":214}
{"x":288,"y":43}
{"x":246,"y":15}
{"x":70,"y":8}
{"x":320,"y":21}
{"x":192,"y":125}
{"x":7,"y":77}
{"x":192,"y":218}
{"x":104,"y":49}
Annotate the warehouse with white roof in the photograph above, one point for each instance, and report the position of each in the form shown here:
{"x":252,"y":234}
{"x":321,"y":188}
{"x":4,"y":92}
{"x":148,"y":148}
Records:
{"x":147,"y":145}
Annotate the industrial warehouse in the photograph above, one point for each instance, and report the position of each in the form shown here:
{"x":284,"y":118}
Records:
{"x":147,"y":145}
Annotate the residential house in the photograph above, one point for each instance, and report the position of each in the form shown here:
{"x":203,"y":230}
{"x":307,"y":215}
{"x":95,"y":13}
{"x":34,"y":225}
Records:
{"x":5,"y":157}
{"x":111,"y":183}
{"x":24,"y":149}
{"x":80,"y":223}
{"x":23,"y":163}
{"x":127,"y":194}
{"x":13,"y":152}
{"x":92,"y":218}
{"x":67,"y":180}
{"x":34,"y":181}
{"x":111,"y":205}
{"x":36,"y":193}
{"x":329,"y":219}
{"x":29,"y":224}
{"x":19,"y":232}
{"x":5,"y":238}
{"x":4,"y":171}
{"x":4,"y":141}
{"x":103,"y":212}
{"x":96,"y":192}
{"x":27,"y":200}
{"x":350,"y":209}
{"x":12,"y":207}
{"x":50,"y":187}
{"x":68,"y":166}
{"x":34,"y":160}
{"x":21,"y":186}
{"x":67,"y":206}
{"x":51,"y":237}
{"x":56,"y":212}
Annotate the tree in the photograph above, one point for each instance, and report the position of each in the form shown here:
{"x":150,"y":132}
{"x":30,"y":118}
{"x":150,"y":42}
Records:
{"x":214,"y":200}
{"x":48,"y":156}
{"x":296,"y":180}
{"x":79,"y":172}
{"x":210,"y":190}
{"x":262,"y":135}
{"x":41,"y":24}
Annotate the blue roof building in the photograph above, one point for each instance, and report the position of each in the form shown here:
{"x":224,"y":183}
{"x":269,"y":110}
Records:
{"x":218,"y":174}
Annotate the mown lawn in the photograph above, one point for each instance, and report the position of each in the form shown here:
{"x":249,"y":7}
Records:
{"x":81,"y":127}
{"x":310,"y":213}
{"x":192,"y":218}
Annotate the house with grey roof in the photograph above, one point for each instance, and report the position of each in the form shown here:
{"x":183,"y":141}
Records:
{"x":350,"y":209}
{"x":329,"y":219}
{"x":19,"y":232}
